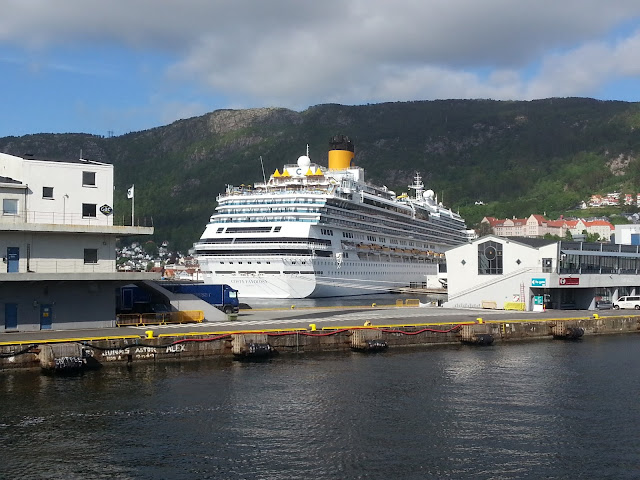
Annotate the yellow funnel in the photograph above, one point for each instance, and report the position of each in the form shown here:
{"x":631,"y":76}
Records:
{"x":340,"y":159}
{"x":340,"y":152}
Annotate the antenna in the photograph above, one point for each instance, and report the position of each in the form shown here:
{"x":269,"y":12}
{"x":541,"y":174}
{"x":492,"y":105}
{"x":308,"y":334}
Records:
{"x":264,"y":178}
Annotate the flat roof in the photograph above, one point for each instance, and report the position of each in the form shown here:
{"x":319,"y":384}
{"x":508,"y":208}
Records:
{"x":598,"y":253}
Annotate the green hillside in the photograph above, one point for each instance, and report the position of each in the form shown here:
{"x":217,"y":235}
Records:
{"x":516,"y":157}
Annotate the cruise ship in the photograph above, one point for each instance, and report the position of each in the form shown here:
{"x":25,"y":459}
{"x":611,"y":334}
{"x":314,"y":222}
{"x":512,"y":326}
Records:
{"x":315,"y":231}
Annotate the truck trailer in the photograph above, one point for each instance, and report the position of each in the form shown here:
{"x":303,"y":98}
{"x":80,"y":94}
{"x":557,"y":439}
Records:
{"x":222,"y":296}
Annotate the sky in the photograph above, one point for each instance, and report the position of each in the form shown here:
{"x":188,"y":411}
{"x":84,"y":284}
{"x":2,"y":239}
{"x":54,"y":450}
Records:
{"x":114,"y":67}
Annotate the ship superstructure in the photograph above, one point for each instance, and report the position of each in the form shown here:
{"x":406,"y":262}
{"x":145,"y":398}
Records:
{"x":313,"y":231}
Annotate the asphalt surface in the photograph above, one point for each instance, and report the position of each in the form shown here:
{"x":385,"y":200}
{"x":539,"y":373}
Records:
{"x":340,"y":317}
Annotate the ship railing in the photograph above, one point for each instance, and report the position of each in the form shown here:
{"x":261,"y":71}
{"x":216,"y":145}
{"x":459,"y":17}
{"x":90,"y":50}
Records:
{"x":277,"y":190}
{"x":253,"y":245}
{"x":279,"y":218}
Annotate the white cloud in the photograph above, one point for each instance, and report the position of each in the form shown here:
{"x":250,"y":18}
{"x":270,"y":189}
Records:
{"x":295,"y":53}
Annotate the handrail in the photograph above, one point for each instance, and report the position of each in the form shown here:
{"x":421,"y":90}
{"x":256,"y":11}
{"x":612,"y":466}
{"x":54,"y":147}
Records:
{"x":141,"y":319}
{"x":493,"y":281}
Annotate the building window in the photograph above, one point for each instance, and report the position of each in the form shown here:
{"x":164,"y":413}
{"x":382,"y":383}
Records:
{"x":89,"y":179}
{"x":490,"y":258}
{"x":9,"y":206}
{"x":47,"y":192}
{"x":88,"y":209}
{"x":90,"y":255}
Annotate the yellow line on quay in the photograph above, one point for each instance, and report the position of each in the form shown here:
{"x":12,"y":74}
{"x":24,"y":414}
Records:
{"x":231,"y":332}
{"x":72,"y":339}
{"x":401,"y":325}
{"x":595,"y":316}
{"x":297,"y":329}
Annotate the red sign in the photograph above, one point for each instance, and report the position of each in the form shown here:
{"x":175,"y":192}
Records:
{"x":569,"y":281}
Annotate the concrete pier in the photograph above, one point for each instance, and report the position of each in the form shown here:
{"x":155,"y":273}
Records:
{"x":59,"y":350}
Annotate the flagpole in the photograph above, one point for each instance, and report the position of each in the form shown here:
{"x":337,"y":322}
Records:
{"x":131,"y":194}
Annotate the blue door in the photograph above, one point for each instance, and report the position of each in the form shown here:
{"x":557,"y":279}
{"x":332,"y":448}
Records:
{"x":127,"y":298}
{"x":13,"y":259}
{"x":46,"y":315}
{"x":10,"y":316}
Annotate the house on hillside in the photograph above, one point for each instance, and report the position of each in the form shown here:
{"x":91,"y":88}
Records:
{"x":536,"y":226}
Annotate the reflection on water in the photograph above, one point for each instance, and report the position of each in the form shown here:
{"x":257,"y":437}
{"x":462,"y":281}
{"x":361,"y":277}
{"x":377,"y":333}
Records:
{"x":529,"y":410}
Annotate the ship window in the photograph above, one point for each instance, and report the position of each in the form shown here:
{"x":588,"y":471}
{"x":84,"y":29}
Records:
{"x":277,"y":229}
{"x":47,"y":192}
{"x":220,"y":230}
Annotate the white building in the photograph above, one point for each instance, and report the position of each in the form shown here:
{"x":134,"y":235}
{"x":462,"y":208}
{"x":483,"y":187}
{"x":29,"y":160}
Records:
{"x":57,"y":242}
{"x":492,"y":272}
{"x":627,"y":234}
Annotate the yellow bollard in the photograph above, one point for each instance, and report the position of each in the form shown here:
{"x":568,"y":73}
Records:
{"x":313,"y":327}
{"x":480,"y":320}
{"x":373,"y":304}
{"x":292,"y":307}
{"x":367,"y":323}
{"x":596,"y":316}
{"x":149,"y":333}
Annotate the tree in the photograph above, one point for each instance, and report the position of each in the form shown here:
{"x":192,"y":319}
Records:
{"x":591,"y":237}
{"x":483,"y":228}
{"x":151,"y":249}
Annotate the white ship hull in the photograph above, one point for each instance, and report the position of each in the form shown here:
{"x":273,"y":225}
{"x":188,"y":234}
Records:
{"x":351,"y":278}
{"x":312,"y":231}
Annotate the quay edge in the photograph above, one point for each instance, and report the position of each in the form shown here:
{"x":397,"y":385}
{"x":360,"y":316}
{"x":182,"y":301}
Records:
{"x":60,"y":354}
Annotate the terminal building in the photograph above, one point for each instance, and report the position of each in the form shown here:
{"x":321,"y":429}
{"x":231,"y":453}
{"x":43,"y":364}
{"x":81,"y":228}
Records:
{"x":537,"y":274}
{"x":58,"y":245}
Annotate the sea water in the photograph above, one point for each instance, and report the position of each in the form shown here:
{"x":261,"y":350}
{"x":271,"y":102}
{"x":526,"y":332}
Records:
{"x":542,"y":409}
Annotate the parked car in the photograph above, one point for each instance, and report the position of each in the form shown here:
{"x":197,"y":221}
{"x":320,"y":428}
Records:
{"x":627,"y":302}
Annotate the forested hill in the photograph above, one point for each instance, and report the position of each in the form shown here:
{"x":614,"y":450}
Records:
{"x":516,"y":157}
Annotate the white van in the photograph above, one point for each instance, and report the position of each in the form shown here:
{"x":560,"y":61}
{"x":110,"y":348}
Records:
{"x":627,"y":302}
